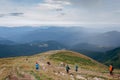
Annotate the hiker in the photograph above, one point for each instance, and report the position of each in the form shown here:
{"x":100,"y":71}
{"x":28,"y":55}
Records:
{"x":111,"y":69}
{"x":76,"y":68}
{"x":26,"y":59}
{"x":37,"y":66}
{"x":48,"y":63}
{"x":67,"y":68}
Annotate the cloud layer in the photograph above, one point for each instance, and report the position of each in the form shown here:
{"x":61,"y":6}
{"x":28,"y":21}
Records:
{"x":59,"y":12}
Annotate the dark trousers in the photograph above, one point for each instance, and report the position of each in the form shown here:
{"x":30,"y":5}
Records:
{"x":67,"y":71}
{"x":111,"y":73}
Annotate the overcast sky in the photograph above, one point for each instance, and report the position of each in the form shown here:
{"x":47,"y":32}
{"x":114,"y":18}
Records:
{"x":59,"y":12}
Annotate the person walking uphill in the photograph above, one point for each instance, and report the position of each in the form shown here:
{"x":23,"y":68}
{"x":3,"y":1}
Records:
{"x":111,"y":69}
{"x":67,"y":68}
{"x":76,"y":68}
{"x":37,"y":66}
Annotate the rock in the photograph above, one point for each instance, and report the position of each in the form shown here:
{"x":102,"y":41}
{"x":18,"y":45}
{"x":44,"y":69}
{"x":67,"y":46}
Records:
{"x":95,"y":78}
{"x":72,"y":77}
{"x":56,"y":73}
{"x":80,"y":77}
{"x":63,"y":74}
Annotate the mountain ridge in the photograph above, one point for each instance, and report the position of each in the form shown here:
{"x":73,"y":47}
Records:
{"x":23,"y":67}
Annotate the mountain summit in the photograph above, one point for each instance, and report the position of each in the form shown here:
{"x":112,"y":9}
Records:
{"x":23,"y":68}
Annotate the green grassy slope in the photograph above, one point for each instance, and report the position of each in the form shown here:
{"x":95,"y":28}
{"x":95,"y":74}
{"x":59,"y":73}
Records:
{"x":73,"y":58}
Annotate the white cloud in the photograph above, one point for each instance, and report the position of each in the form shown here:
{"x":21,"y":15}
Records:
{"x":60,"y":12}
{"x":49,"y":6}
{"x":53,"y":5}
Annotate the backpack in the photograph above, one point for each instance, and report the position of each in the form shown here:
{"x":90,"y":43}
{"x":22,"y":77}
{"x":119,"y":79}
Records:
{"x":69,"y":68}
{"x":112,"y":68}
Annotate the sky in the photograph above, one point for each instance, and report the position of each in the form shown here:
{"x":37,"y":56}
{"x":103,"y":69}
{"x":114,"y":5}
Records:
{"x":59,"y":12}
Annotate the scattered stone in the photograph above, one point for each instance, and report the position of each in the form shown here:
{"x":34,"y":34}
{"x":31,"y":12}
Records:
{"x":72,"y":77}
{"x":96,"y":78}
{"x":80,"y":77}
{"x":63,"y":74}
{"x":56,"y":73}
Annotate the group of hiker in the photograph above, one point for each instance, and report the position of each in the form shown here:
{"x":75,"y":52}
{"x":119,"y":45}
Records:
{"x":37,"y":66}
{"x":68,"y":68}
{"x":76,"y":68}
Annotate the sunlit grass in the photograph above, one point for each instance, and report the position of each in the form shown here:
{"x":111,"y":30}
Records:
{"x":20,"y":65}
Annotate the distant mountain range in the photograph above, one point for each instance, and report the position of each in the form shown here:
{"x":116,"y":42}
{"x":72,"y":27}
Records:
{"x":66,"y":35}
{"x":28,"y":48}
{"x":111,"y":38}
{"x":20,"y":41}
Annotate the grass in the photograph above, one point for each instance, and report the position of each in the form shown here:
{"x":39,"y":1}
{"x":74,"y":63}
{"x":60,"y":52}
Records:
{"x":70,"y":59}
{"x":40,"y":76}
{"x":35,"y":75}
{"x":19,"y":65}
{"x":73,"y":58}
